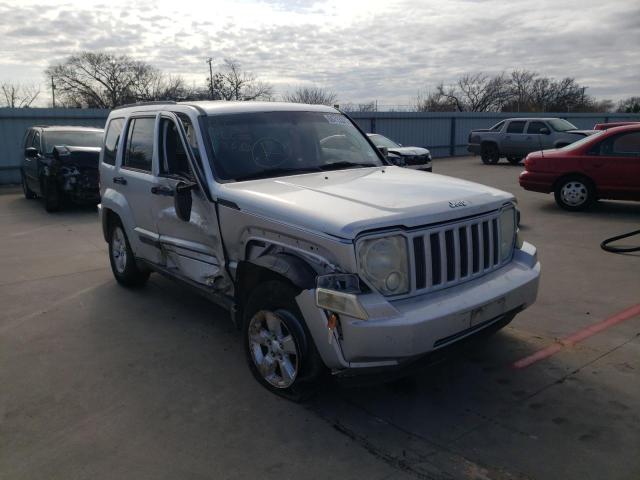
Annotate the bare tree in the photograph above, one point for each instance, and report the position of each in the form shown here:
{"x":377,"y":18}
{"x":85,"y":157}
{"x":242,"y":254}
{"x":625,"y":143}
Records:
{"x":434,"y":101}
{"x":104,"y":80}
{"x":233,"y":83}
{"x":311,"y":95}
{"x":15,"y":95}
{"x":629,"y":105}
{"x":477,"y":92}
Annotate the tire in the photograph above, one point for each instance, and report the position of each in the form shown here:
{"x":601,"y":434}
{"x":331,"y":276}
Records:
{"x":514,"y":160}
{"x":28,"y":193}
{"x":122,"y":259}
{"x":51,"y":195}
{"x":489,"y":154}
{"x":279,"y":349}
{"x":574,"y":193}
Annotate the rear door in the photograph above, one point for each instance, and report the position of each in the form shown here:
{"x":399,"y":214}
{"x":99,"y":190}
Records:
{"x":133,"y":178}
{"x":614,"y":163}
{"x":514,"y":142}
{"x":192,"y":247}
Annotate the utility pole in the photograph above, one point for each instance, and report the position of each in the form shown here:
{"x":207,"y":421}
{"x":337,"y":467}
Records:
{"x":209,"y":60}
{"x":53,"y":92}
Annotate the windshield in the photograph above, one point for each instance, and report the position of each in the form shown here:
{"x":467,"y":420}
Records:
{"x":269,"y":144}
{"x":72,"y":139}
{"x":582,"y":141}
{"x":561,"y":125}
{"x":381,"y":141}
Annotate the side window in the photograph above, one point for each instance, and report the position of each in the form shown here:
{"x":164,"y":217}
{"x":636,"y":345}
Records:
{"x":497,"y":127}
{"x":535,"y":127}
{"x":190,"y":130}
{"x":516,"y":127}
{"x":28,"y":138}
{"x":173,"y":158}
{"x":139,"y":152}
{"x":35,"y":143}
{"x":111,"y":141}
{"x":624,"y":145}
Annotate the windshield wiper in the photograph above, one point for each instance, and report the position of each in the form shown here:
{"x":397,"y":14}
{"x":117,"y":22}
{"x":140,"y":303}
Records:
{"x":276,"y":172}
{"x":341,"y":165}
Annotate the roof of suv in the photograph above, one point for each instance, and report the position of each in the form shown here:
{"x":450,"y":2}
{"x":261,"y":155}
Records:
{"x":213,"y":107}
{"x":68,"y":128}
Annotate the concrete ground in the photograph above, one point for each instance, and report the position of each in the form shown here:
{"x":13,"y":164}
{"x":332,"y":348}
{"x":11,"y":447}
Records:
{"x":97,"y":381}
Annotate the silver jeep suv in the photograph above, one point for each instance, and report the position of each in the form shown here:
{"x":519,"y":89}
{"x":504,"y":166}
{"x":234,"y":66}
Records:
{"x":327,"y":257}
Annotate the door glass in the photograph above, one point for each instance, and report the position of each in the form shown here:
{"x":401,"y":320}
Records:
{"x":36,"y":141}
{"x":627,"y":144}
{"x":515,"y":127}
{"x":535,"y":127}
{"x":140,"y":144}
{"x":111,"y":141}
{"x":174,"y":159}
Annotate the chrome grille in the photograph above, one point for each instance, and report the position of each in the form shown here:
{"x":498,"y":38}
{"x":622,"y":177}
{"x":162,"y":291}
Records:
{"x":454,"y":253}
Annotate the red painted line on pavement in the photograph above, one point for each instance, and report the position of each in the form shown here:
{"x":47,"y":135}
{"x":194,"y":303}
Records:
{"x":578,"y":337}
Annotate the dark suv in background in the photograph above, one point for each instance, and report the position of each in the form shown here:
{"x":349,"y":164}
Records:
{"x":61,"y":163}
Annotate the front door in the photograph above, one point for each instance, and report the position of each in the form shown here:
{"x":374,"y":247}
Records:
{"x":538,"y":136}
{"x":191,"y":247}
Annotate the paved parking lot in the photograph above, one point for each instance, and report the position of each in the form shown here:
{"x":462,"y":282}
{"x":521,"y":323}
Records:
{"x":100,"y":382}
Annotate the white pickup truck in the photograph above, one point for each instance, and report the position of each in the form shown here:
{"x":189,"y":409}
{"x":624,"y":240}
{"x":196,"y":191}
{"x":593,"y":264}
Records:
{"x":328,"y":257}
{"x":514,"y":138}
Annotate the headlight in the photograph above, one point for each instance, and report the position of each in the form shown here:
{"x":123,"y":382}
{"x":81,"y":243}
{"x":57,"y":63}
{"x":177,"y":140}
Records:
{"x":507,"y":232}
{"x":384,"y":264}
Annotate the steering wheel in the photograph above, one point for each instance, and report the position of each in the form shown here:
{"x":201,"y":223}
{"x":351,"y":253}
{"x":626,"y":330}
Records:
{"x":269,"y":153}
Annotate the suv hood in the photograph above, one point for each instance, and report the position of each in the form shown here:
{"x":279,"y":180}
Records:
{"x":345,"y":203}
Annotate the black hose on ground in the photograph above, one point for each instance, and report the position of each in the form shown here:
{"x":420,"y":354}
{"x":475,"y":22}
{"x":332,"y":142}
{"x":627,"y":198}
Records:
{"x":605,"y":244}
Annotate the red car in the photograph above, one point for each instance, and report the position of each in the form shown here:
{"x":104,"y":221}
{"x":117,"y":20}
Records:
{"x":603,"y":165}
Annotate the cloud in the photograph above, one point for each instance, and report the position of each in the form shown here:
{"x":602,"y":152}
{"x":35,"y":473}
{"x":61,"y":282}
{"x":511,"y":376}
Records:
{"x":384,"y":50}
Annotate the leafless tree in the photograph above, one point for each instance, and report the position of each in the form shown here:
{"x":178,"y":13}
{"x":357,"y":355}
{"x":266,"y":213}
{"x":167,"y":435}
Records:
{"x":311,"y":95}
{"x":629,"y":105}
{"x":434,"y":101}
{"x":104,"y":80}
{"x":233,"y":83}
{"x":477,"y":92}
{"x":16,"y":95}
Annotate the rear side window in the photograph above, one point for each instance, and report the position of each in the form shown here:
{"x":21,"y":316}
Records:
{"x":535,"y":127}
{"x":140,"y":144}
{"x":112,"y":140}
{"x":625,"y":144}
{"x":515,"y":127}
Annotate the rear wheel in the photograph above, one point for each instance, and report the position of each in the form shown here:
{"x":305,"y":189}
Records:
{"x":514,"y":160}
{"x":122,"y":259}
{"x":278,"y":346}
{"x":490,"y":154}
{"x":28,"y":193}
{"x":574,"y":193}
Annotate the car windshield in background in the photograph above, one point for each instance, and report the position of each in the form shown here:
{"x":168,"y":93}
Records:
{"x":561,"y":125}
{"x":582,"y":141}
{"x":268,"y":144}
{"x":72,"y":139}
{"x":380,"y":141}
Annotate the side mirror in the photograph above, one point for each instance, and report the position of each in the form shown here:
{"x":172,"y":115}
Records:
{"x":384,"y":151}
{"x":182,"y":200}
{"x":544,"y":131}
{"x":30,"y":152}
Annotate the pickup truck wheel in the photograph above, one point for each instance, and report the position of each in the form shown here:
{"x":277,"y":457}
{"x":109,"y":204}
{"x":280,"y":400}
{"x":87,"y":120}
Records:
{"x":122,"y":259}
{"x":574,"y":193}
{"x":514,"y":160}
{"x":489,"y":154}
{"x":279,"y":348}
{"x":51,"y":195}
{"x":28,"y":193}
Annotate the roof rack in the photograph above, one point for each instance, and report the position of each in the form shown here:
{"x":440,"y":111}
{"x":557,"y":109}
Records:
{"x":143,"y":104}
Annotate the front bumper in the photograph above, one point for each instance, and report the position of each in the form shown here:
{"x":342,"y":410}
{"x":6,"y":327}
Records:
{"x":400,"y":331}
{"x":79,"y":183}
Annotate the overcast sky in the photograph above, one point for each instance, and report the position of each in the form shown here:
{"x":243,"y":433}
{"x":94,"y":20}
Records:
{"x":363,"y":50}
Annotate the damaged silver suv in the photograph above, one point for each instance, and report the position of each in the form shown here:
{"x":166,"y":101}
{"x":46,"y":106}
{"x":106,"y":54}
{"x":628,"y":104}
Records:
{"x":327,"y":257}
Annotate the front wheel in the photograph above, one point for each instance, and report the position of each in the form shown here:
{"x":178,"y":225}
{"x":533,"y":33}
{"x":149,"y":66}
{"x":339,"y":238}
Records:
{"x":122,"y":259}
{"x":51,"y":195}
{"x":278,"y":346}
{"x":490,"y":154}
{"x":574,"y":193}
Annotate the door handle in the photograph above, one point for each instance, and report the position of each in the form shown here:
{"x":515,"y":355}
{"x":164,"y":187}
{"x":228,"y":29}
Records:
{"x":120,"y":180}
{"x":162,"y":190}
